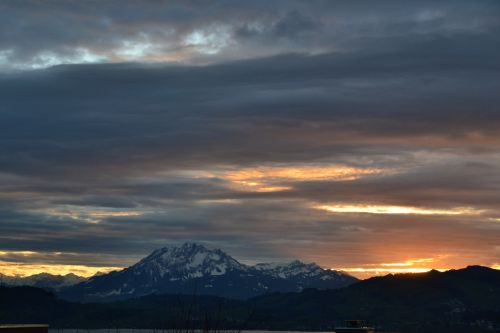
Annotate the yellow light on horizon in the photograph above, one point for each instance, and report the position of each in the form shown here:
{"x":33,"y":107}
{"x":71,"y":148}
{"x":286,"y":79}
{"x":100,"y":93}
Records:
{"x":27,"y":269}
{"x":408,"y":262}
{"x":385,"y":270}
{"x":26,"y":263}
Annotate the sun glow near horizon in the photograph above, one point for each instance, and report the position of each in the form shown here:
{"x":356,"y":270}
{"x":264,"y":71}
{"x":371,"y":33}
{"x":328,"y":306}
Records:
{"x":408,"y":266}
{"x":26,"y":263}
{"x":365,"y":273}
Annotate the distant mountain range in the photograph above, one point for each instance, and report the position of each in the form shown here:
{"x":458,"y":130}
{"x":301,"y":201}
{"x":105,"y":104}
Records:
{"x":464,"y":300}
{"x":43,"y":280}
{"x":194,"y":269}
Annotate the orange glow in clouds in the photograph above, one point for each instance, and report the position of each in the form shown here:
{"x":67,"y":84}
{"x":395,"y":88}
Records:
{"x":268,"y":179}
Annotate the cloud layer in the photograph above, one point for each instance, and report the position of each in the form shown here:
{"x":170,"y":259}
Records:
{"x":239,"y":121}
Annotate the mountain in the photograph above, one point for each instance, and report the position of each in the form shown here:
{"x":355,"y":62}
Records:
{"x":464,"y":300}
{"x":42,"y":280}
{"x":194,"y":269}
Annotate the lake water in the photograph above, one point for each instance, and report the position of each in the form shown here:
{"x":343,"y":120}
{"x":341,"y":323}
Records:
{"x":67,"y":330}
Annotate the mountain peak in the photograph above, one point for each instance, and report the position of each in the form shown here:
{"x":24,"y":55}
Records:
{"x":188,"y":260}
{"x":181,"y":248}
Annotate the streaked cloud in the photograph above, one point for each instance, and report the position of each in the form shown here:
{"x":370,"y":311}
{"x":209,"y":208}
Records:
{"x":398,"y":210}
{"x":275,"y":178}
{"x":88,"y":215}
{"x":307,"y":173}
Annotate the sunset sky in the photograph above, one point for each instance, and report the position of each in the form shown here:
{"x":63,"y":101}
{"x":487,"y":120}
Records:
{"x":360,"y":135}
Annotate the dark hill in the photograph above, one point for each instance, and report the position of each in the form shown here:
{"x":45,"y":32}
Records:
{"x":427,"y":302}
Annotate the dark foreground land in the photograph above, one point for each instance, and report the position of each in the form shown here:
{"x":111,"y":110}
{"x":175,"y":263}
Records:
{"x":466,"y":300}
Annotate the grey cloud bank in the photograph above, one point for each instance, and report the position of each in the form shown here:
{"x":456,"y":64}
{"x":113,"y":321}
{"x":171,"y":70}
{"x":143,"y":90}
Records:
{"x":43,"y":33}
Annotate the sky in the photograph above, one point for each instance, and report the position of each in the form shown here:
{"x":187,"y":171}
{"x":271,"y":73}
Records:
{"x":360,"y":135}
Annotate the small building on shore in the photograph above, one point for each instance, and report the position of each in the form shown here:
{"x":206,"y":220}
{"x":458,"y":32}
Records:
{"x":24,"y":328}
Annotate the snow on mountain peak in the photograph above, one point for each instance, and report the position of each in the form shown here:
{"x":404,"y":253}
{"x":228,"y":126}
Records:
{"x":188,"y":260}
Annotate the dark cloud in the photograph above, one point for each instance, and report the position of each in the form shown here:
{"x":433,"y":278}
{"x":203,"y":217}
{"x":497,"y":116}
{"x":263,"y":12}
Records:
{"x":239,"y":112}
{"x":39,"y":34}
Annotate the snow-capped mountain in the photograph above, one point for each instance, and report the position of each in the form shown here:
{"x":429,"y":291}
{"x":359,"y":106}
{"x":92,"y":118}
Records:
{"x":187,"y":262}
{"x":194,"y":269}
{"x":42,"y":280}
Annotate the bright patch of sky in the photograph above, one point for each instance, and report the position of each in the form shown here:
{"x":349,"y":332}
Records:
{"x":209,"y":41}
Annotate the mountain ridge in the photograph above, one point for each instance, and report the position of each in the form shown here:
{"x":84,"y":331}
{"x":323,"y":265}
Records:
{"x":43,"y":280}
{"x":193,"y":268}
